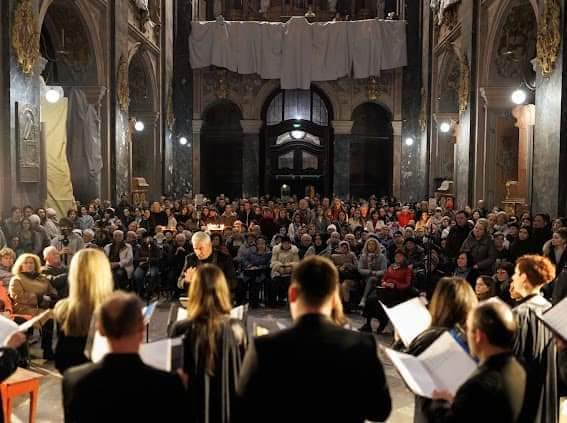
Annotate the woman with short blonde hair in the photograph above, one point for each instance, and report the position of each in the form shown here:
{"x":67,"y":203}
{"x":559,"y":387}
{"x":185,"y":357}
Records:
{"x":90,"y":283}
{"x":32,"y":294}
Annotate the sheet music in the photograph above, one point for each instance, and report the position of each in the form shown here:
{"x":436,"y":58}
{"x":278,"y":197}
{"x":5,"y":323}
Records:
{"x":159,"y":354}
{"x":556,"y":318}
{"x":409,"y":318}
{"x":444,"y":365}
{"x":414,"y":373}
{"x":448,"y":364}
{"x":7,"y":326}
{"x":182,"y":314}
{"x":29,"y":323}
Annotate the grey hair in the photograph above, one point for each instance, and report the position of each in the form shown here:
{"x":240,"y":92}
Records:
{"x":89,"y":232}
{"x":199,"y":237}
{"x":48,"y":250}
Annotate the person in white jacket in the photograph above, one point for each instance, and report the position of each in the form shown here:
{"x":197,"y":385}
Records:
{"x":285,"y":257}
{"x":121,"y":259}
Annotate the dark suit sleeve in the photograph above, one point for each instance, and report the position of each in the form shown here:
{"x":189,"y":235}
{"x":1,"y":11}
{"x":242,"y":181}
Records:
{"x":465,"y":406}
{"x":8,"y":362}
{"x":375,"y":387}
{"x":174,"y":393}
{"x":249,"y":387}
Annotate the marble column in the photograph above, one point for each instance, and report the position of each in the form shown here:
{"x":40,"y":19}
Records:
{"x":251,"y":157}
{"x":17,"y":88}
{"x":525,"y":121}
{"x":397,"y":164}
{"x":197,"y":125}
{"x":341,"y":158}
{"x":151,"y":147}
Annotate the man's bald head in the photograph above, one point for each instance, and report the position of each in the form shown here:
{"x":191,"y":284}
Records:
{"x":120,"y":316}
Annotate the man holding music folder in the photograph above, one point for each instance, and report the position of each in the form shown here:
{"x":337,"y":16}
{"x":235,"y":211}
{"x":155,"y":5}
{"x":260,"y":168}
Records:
{"x":495,"y":391}
{"x":315,"y":371}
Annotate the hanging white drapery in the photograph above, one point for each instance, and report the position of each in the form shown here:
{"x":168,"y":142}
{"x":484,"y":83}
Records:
{"x":298,"y":52}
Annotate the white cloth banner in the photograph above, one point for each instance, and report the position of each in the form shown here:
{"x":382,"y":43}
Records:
{"x":298,"y":52}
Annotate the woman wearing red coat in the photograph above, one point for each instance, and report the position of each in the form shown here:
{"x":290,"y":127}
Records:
{"x":394,"y":288}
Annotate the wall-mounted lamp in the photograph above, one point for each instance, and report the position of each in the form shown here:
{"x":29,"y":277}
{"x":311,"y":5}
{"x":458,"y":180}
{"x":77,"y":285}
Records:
{"x":139,"y":126}
{"x":445,"y":127}
{"x":409,"y":141}
{"x":519,"y":96}
{"x":183,"y":140}
{"x":53,"y":94}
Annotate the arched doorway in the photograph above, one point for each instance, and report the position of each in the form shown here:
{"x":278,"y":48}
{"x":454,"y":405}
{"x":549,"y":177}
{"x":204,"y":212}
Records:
{"x":145,"y":148}
{"x":221,"y":150}
{"x":371,"y":151}
{"x":296,"y":143}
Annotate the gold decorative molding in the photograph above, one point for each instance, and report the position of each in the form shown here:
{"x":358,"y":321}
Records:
{"x":373,"y":89}
{"x":122,"y":88}
{"x":464,"y":82}
{"x":25,"y":37}
{"x":549,"y":36}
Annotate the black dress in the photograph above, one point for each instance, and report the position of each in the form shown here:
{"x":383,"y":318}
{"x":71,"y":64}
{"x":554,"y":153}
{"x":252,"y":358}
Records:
{"x":535,"y":348}
{"x":211,"y":398}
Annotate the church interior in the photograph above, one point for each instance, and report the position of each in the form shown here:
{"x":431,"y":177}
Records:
{"x":391,"y":107}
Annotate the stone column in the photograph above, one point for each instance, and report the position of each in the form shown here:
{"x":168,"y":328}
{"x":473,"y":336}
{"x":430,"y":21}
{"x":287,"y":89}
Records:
{"x":251,"y":157}
{"x":341,"y":158}
{"x":525,"y":121}
{"x":152,"y":170}
{"x":397,"y":159}
{"x":197,"y":125}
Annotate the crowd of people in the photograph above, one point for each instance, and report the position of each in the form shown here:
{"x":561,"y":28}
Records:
{"x":319,"y":256}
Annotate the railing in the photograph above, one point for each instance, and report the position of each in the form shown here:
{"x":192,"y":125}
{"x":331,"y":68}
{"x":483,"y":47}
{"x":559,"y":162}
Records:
{"x":314,"y":10}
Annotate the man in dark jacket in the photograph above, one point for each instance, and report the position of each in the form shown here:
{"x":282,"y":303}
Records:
{"x":121,"y":388}
{"x":495,"y":391}
{"x":204,"y":253}
{"x":327,"y":373}
{"x":457,"y":235}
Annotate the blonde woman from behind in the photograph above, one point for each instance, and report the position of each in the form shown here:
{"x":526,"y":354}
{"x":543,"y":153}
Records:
{"x":90,"y":283}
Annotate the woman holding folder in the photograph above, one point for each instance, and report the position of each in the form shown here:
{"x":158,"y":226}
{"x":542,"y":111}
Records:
{"x":452,"y":300}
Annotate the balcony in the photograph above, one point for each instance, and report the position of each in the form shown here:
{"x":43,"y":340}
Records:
{"x":314,"y":10}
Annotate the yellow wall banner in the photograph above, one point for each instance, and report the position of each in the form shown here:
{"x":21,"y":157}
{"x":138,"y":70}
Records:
{"x":59,"y":187}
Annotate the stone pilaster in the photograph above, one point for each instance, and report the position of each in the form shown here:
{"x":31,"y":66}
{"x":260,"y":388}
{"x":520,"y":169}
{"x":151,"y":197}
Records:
{"x":341,"y":158}
{"x":250,"y":157}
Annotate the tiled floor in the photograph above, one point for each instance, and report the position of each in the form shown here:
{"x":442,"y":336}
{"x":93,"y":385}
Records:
{"x":50,"y":407}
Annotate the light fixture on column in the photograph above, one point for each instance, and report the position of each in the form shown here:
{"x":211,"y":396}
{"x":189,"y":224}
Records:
{"x":53,"y":94}
{"x":183,"y":140}
{"x":139,"y":126}
{"x":409,"y":141}
{"x":519,"y":96}
{"x":445,"y":127}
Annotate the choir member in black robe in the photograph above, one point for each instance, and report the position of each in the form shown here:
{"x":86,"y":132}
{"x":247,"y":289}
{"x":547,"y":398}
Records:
{"x":534,"y":344}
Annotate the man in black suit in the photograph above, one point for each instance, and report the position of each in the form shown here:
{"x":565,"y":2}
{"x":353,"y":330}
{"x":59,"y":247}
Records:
{"x":495,"y":391}
{"x":204,"y":253}
{"x":121,"y":388}
{"x":314,"y":371}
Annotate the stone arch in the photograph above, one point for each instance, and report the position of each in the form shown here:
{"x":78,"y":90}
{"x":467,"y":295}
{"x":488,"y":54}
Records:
{"x":141,"y":59}
{"x":495,"y":29}
{"x":446,"y":87}
{"x":82,"y":18}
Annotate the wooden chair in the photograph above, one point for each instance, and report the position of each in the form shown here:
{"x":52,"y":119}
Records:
{"x":21,"y":382}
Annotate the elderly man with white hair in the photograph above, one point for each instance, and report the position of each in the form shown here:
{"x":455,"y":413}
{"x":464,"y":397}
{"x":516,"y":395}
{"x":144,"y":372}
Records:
{"x":55,"y":271}
{"x":88,"y":238}
{"x":121,"y":259}
{"x":68,"y":243}
{"x":50,"y":223}
{"x":44,"y":238}
{"x":204,"y":253}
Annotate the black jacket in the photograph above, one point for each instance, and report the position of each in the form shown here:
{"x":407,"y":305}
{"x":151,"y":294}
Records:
{"x":224,"y":261}
{"x":314,"y":371}
{"x":493,"y":394}
{"x":219,"y":387}
{"x":455,"y":239}
{"x":121,"y":388}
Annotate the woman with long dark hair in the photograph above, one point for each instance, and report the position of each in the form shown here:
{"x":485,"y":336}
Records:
{"x":214,"y":345}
